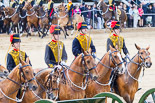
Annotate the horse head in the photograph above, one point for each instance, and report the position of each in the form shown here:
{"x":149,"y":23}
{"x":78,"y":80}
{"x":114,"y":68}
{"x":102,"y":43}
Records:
{"x":116,"y":60}
{"x":61,"y":8}
{"x":8,"y":11}
{"x":26,"y":75}
{"x":144,"y":56}
{"x":52,"y":84}
{"x":27,"y":6}
{"x":88,"y":64}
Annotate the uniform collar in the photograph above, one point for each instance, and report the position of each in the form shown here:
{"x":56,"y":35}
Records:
{"x":82,"y":34}
{"x":115,"y":35}
{"x":54,"y":41}
{"x":16,"y":49}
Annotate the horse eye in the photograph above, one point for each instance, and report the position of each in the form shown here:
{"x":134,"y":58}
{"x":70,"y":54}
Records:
{"x":88,"y":62}
{"x":141,"y":53}
{"x":26,"y":72}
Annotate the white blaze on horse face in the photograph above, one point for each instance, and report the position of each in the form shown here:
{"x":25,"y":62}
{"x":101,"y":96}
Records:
{"x":123,"y":66}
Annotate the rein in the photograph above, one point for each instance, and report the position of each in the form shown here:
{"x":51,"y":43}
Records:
{"x":61,"y":17}
{"x":40,"y":16}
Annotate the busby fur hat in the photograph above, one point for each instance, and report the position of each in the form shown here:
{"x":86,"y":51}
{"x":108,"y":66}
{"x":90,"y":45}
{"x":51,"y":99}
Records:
{"x":82,"y":25}
{"x":55,"y":29}
{"x":115,"y":25}
{"x":15,"y":38}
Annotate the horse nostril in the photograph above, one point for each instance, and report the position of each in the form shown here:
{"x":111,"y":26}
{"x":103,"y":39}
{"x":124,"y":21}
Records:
{"x":34,"y":87}
{"x":150,"y":64}
{"x":5,"y":72}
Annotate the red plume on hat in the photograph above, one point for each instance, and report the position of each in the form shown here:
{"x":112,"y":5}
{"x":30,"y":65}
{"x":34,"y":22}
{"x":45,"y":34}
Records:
{"x":113,"y":23}
{"x":52,"y":28}
{"x":79,"y":25}
{"x":11,"y":38}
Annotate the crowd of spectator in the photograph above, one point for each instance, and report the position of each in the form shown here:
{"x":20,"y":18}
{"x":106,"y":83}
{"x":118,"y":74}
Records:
{"x":137,"y":13}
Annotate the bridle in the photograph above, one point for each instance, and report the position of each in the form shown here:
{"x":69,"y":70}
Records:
{"x":49,"y":84}
{"x":25,"y":85}
{"x":114,"y":62}
{"x":112,"y":59}
{"x":85,"y":74}
{"x":142,"y":64}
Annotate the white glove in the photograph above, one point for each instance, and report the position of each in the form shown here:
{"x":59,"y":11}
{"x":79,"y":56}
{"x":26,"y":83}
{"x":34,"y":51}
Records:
{"x":58,"y":66}
{"x":94,"y":55}
{"x":63,"y":63}
{"x":128,"y":56}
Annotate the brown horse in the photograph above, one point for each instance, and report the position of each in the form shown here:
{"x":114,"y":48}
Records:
{"x":126,"y":85}
{"x":63,"y":19}
{"x":73,"y":82}
{"x":110,"y":61}
{"x":40,"y":93}
{"x":107,"y":15}
{"x":9,"y":87}
{"x":31,"y":18}
{"x":13,"y":15}
{"x":43,"y":19}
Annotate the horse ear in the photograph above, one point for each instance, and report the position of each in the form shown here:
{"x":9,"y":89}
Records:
{"x":138,"y":48}
{"x":148,"y":47}
{"x":27,"y":60}
{"x":21,"y":61}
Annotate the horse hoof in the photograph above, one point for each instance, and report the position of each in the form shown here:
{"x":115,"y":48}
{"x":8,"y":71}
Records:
{"x":67,"y":34}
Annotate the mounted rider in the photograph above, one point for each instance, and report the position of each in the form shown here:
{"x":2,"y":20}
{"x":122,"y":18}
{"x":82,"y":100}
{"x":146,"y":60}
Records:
{"x":50,"y":9}
{"x":112,"y":8}
{"x":13,"y":3}
{"x":70,"y":9}
{"x":22,"y":3}
{"x":115,"y":40}
{"x":55,"y":53}
{"x":13,"y":55}
{"x":83,"y":41}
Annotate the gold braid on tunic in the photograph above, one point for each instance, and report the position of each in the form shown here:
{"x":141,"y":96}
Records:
{"x":84,"y":41}
{"x":117,"y":40}
{"x":54,"y":48}
{"x":15,"y":56}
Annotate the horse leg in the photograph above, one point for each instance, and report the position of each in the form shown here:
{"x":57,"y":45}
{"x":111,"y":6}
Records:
{"x":43,"y":32}
{"x":29,"y":29}
{"x":38,"y":29}
{"x":66,"y":30}
{"x":63,"y":29}
{"x":73,"y":29}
